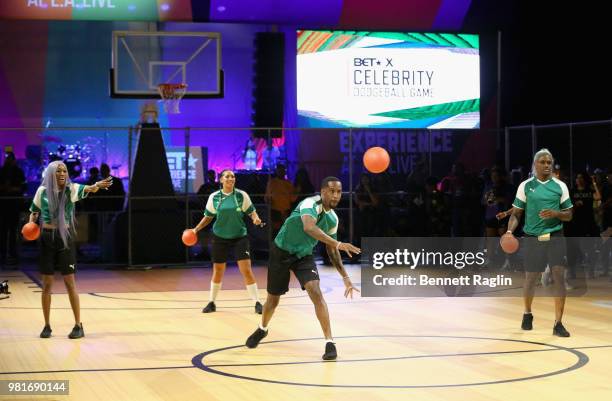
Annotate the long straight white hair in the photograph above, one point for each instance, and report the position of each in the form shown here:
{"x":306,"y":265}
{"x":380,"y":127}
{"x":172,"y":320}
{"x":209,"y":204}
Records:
{"x":57,"y":202}
{"x":540,"y":153}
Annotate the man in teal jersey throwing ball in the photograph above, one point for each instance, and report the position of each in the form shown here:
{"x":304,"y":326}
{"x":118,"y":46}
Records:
{"x":546,"y":203}
{"x":311,"y":221}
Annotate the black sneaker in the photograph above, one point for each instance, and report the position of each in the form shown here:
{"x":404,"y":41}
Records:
{"x":211,"y":307}
{"x":560,"y":331}
{"x":256,"y":337}
{"x":46,"y":333}
{"x":258,"y":308}
{"x":330,"y":352}
{"x":77,"y":331}
{"x":527,"y":323}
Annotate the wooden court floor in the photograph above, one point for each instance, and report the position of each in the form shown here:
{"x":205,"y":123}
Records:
{"x":146,"y":339}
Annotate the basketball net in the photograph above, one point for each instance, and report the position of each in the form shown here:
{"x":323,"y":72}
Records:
{"x":171,"y":95}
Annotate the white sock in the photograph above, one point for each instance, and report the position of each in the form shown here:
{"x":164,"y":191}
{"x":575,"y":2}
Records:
{"x":262,"y":327}
{"x":329,"y":340}
{"x":214,"y":291}
{"x":252,"y":290}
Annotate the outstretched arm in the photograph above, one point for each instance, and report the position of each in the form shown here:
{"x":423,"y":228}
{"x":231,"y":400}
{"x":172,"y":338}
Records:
{"x":104,"y":184}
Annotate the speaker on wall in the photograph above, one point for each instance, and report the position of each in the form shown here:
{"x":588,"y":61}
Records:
{"x":268,"y":82}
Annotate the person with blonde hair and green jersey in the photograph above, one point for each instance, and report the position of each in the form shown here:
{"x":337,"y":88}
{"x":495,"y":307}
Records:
{"x":545,"y":201}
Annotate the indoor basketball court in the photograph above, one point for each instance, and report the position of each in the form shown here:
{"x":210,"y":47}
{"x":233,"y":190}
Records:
{"x":146,"y":338}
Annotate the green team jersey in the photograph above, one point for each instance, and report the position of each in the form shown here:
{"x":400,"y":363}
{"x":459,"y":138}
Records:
{"x":534,"y":195}
{"x":229,"y":210}
{"x":40,"y":204}
{"x":292,"y":237}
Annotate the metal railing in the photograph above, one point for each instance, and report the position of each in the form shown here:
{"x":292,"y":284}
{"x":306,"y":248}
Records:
{"x":322,"y":151}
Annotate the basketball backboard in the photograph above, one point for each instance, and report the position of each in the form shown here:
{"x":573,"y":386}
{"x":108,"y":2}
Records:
{"x":143,"y":60}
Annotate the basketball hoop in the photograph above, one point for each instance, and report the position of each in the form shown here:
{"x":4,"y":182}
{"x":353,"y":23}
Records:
{"x":171,"y":95}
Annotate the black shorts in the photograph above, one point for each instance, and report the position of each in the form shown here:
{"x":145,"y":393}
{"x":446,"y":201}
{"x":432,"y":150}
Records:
{"x":539,"y":254}
{"x":53,"y":256}
{"x":281,"y":261}
{"x":222,"y":246}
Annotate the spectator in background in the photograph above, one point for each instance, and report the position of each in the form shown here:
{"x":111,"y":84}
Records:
{"x":454,"y":186}
{"x":92,"y":206}
{"x":366,"y":201}
{"x":210,"y":184}
{"x":94,"y":176}
{"x":115,"y":195}
{"x":12,"y":187}
{"x":561,"y":174}
{"x":584,"y":193}
{"x":382,"y":186}
{"x":270,"y":156}
{"x":496,"y":198}
{"x":303,"y":186}
{"x":436,"y":209}
{"x":249,"y":156}
{"x":606,"y":222}
{"x":280,"y":194}
{"x":418,"y":176}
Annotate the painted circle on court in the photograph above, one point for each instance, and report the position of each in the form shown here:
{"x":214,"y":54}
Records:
{"x":582,"y":359}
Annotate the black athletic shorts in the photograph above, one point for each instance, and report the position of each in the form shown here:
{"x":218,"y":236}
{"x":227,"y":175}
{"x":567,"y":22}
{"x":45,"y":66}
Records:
{"x":221,"y":248}
{"x":281,"y":261}
{"x":539,"y":254}
{"x":53,"y":256}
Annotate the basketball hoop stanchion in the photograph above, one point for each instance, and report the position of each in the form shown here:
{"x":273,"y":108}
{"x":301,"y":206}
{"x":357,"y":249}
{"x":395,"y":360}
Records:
{"x":171,"y":95}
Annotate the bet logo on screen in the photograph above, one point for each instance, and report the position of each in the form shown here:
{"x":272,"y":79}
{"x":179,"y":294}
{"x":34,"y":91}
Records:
{"x":365,"y":62}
